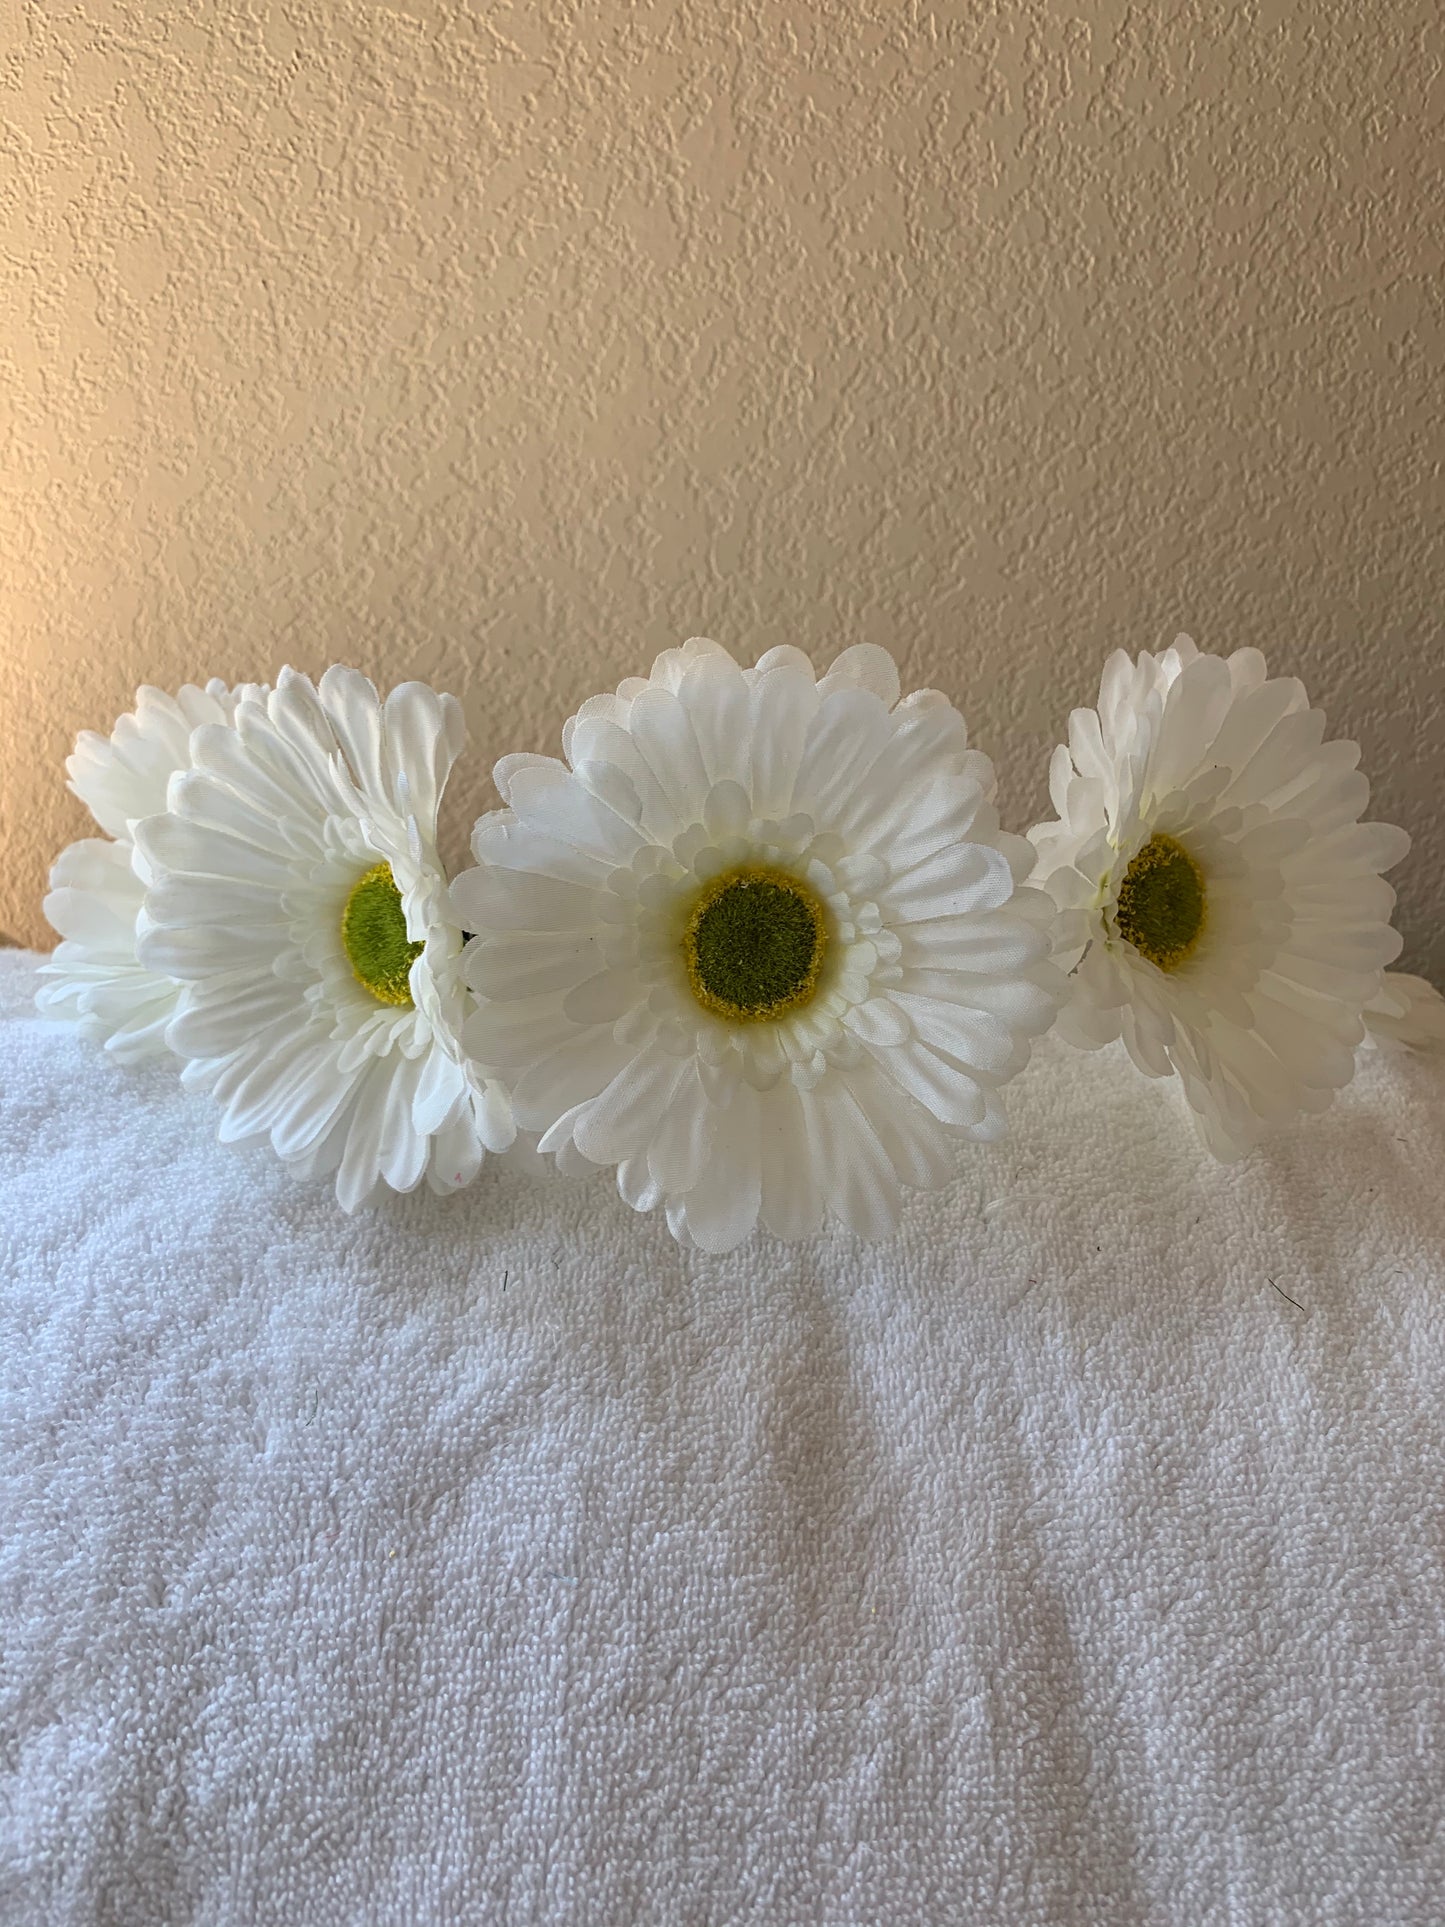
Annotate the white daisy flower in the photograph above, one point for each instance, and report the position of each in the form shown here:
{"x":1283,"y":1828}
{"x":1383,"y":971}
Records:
{"x":97,"y":886}
{"x":758,"y":942}
{"x":1216,"y":886}
{"x":1406,"y":1014}
{"x":298,"y":896}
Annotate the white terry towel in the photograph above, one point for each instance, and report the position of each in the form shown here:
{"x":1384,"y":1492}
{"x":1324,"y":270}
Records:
{"x":1076,"y":1559}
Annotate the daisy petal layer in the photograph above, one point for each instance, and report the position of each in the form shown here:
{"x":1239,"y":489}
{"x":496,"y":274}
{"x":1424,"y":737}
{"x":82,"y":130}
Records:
{"x":97,"y":886}
{"x":1259,"y":1012}
{"x":935,"y":975}
{"x":316,"y":791}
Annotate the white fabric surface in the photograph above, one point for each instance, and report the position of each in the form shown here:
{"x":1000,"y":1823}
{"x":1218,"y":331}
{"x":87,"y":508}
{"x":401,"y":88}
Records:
{"x":489,"y":1559}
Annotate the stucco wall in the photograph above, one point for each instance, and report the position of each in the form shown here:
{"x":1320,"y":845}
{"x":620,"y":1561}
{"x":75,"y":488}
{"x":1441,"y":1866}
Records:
{"x":505,"y":345}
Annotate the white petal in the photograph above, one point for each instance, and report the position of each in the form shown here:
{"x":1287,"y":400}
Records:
{"x":216,"y":1025}
{"x":987,"y":942}
{"x":182,"y":900}
{"x":322,"y":1155}
{"x":496,"y":1125}
{"x":621,"y":1122}
{"x":781,"y":706}
{"x":879,"y":813}
{"x":966,"y":879}
{"x":663,"y":736}
{"x":584,"y":1065}
{"x":506,"y":769}
{"x":714,"y":692}
{"x":142,"y":1036}
{"x":722,"y":1207}
{"x":880,"y":1021}
{"x":727,"y":810}
{"x":303,"y":1095}
{"x":784,"y":655}
{"x":440,"y":1091}
{"x":938,"y":1085}
{"x":637,"y":1185}
{"x":684,"y":1137}
{"x":1363,"y":846}
{"x":502,"y":841}
{"x":307,"y":778}
{"x":858,"y":1178}
{"x":456,"y":1156}
{"x":403,"y":1151}
{"x":420,"y":746}
{"x":173,"y":846}
{"x":515,"y":1033}
{"x":299,"y":720}
{"x":630,"y":788}
{"x":124,"y":777}
{"x":942,"y":815}
{"x":495,"y":899}
{"x":360,"y":1171}
{"x":509,"y":964}
{"x":354,"y":711}
{"x":1193,"y":712}
{"x":848,"y":734}
{"x":1278,"y":759}
{"x":256,"y":1087}
{"x":1018,"y":1002}
{"x":1407,"y":1013}
{"x":93,"y":920}
{"x":920,"y":1149}
{"x":792,"y":1198}
{"x":549,"y":798}
{"x":99,"y":868}
{"x":603,"y":998}
{"x":1144,"y":1043}
{"x":864,"y":666}
{"x":205,"y":950}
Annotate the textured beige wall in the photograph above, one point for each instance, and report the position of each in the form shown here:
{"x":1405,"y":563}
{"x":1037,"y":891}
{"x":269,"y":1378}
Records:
{"x":505,"y":345}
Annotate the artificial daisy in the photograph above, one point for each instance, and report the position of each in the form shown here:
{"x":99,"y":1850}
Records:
{"x":1219,"y":897}
{"x":297,"y":895}
{"x":758,"y":942}
{"x":97,"y":886}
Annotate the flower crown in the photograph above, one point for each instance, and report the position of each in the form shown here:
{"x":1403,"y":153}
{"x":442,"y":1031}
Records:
{"x":757,"y":940}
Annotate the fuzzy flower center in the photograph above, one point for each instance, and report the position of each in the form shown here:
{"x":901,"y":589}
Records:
{"x":373,"y":933}
{"x":1160,"y":909}
{"x":754,"y":945}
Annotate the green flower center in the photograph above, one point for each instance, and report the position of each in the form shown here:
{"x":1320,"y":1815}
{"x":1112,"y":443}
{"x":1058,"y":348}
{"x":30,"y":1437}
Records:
{"x":754,"y":945}
{"x":373,"y":933}
{"x":1161,"y":903}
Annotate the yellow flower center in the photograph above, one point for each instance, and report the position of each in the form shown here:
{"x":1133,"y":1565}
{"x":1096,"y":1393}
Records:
{"x":754,"y":945}
{"x":373,"y":934}
{"x":1160,"y":908}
